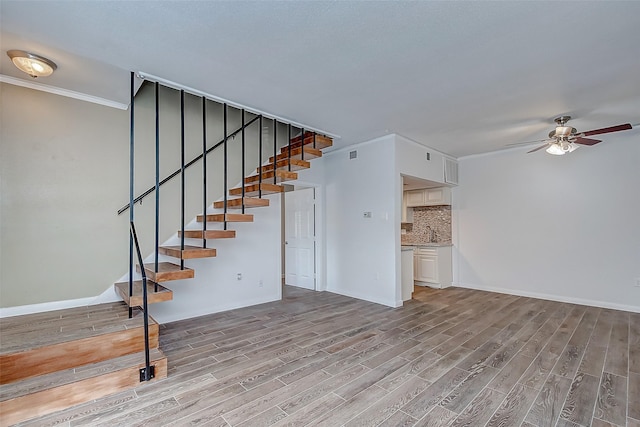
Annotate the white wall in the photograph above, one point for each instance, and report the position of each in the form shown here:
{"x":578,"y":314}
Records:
{"x":361,"y":251}
{"x":563,"y":228}
{"x":254,"y":253}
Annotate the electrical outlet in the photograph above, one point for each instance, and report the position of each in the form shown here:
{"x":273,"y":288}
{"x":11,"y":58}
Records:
{"x":239,"y":276}
{"x":367,"y":215}
{"x":260,"y":284}
{"x":638,"y":282}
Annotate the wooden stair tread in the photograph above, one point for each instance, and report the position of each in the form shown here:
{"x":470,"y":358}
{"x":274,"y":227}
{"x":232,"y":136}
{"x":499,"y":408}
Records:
{"x":153,"y":296}
{"x":60,"y":390}
{"x":281,"y":175}
{"x":321,"y":141}
{"x":166,"y":271}
{"x":249,"y":202}
{"x":296,"y":153}
{"x":67,"y":376}
{"x":189,"y":252}
{"x":209,"y":234}
{"x":29,"y":331}
{"x":252,"y":190}
{"x":229,"y":217}
{"x":296,"y":164}
{"x":40,"y":351}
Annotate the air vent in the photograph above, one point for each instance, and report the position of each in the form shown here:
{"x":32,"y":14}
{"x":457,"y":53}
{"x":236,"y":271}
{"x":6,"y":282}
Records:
{"x":450,"y":171}
{"x":353,"y":155}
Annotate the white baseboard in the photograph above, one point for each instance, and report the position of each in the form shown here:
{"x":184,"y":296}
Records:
{"x":551,"y":297}
{"x":107,"y":296}
{"x":388,"y":303}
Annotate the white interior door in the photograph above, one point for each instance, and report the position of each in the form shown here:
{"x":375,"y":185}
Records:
{"x":300,"y":238}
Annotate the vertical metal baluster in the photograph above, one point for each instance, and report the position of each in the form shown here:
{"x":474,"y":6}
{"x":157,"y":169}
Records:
{"x":157,"y":230}
{"x":289,"y":136}
{"x":260,"y":160}
{"x":302,"y":146}
{"x":204,"y":171}
{"x":131,"y":190}
{"x":225,"y":165}
{"x":148,"y":370}
{"x":314,"y":139}
{"x":242,"y":174}
{"x":275,"y":147}
{"x":182,"y":196}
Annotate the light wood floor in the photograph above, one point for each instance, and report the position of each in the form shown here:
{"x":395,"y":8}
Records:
{"x":448,"y":357}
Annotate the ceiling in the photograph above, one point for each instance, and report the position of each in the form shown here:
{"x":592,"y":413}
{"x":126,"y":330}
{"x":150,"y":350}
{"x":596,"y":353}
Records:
{"x":461,"y":77}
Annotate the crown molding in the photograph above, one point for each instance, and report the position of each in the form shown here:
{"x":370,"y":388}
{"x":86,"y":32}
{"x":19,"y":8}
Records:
{"x":62,"y":92}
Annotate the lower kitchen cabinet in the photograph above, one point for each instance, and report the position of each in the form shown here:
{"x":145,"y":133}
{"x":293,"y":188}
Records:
{"x":432,"y":266}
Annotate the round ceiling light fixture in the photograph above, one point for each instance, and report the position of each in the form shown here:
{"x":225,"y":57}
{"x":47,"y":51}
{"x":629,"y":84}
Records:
{"x":32,"y":64}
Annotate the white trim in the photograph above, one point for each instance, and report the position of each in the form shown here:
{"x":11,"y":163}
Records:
{"x":550,"y":297}
{"x":197,"y":92}
{"x":168,"y":318}
{"x":107,"y":296}
{"x":63,"y":92}
{"x":328,"y":151}
{"x":385,"y":302}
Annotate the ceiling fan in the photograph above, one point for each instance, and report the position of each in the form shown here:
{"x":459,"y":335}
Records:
{"x":565,"y":139}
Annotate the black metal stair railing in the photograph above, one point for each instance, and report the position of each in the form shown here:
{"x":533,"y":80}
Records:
{"x":148,"y":372}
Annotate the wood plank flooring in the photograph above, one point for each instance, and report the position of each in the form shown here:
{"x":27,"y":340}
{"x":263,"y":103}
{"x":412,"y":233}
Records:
{"x":453,"y":357}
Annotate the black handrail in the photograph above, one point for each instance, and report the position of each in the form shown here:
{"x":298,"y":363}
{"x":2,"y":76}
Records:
{"x":187,"y":165}
{"x":148,"y":372}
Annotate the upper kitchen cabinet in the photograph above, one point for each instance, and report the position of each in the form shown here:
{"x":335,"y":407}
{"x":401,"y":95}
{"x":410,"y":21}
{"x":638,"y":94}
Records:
{"x":428,"y":197}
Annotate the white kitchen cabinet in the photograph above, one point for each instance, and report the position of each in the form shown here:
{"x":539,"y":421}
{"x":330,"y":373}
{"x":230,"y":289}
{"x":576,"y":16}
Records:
{"x":432,"y":266}
{"x":428,"y":197}
{"x":415,"y":198}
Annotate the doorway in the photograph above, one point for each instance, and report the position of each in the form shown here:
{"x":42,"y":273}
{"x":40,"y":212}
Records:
{"x":300,"y":238}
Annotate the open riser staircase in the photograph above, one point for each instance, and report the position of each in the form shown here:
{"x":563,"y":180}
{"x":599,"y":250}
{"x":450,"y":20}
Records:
{"x":54,"y":360}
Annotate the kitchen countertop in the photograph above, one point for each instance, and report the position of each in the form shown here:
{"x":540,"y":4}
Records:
{"x":427,"y":245}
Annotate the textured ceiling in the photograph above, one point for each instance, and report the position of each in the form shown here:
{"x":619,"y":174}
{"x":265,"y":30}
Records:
{"x":461,"y":77}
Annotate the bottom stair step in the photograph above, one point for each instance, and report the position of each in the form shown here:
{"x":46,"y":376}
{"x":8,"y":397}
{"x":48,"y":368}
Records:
{"x":53,"y":392}
{"x":153,"y":296}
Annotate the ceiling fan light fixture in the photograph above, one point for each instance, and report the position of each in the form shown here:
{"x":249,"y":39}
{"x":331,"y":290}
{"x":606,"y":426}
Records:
{"x":561,"y":147}
{"x":32,"y":64}
{"x":555,"y":149}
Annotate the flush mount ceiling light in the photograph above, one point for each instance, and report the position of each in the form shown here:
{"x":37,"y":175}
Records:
{"x":32,"y":64}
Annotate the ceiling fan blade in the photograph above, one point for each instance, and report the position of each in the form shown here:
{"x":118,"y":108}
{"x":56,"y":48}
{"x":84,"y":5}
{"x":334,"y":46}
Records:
{"x":539,"y":148}
{"x":586,"y":141}
{"x":515,"y":144}
{"x":617,"y":128}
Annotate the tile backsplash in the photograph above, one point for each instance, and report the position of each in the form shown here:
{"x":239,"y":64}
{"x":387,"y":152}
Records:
{"x":425,"y":219}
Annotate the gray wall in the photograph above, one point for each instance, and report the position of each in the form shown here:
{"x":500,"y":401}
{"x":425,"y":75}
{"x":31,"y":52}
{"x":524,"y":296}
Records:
{"x":64,"y":173}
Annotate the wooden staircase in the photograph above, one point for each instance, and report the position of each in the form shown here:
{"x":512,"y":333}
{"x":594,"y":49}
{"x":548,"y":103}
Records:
{"x":280,"y":169}
{"x":53,"y":360}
